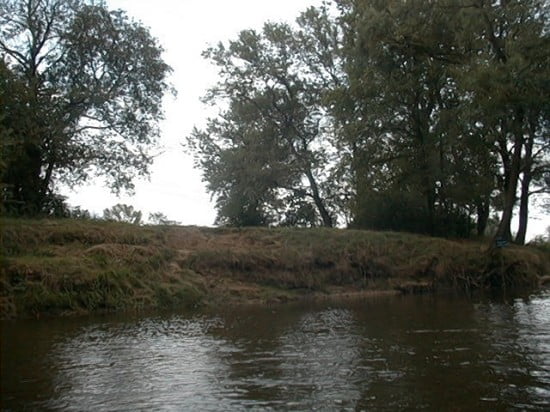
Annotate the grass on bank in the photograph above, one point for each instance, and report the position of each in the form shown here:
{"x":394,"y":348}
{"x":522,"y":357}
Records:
{"x":78,"y":266}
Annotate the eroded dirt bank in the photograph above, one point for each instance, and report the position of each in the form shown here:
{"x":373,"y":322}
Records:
{"x":68,"y":267}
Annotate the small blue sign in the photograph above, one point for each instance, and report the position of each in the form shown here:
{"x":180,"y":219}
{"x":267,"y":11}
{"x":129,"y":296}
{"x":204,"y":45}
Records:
{"x":501,"y":242}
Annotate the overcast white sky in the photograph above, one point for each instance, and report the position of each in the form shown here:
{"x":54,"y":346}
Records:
{"x":185,"y":28}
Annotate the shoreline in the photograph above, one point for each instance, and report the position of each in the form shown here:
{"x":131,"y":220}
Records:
{"x":67,"y":267}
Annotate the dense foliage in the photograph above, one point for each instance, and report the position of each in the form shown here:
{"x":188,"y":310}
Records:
{"x":424,"y":116}
{"x":268,"y":155}
{"x":80,"y":92}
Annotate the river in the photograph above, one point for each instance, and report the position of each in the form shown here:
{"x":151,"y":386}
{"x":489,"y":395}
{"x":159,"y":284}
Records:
{"x":381,"y":353}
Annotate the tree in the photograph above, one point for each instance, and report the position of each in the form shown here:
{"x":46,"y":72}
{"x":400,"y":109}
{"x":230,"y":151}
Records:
{"x":535,"y":178}
{"x":88,"y":87}
{"x":123,"y":213}
{"x":14,"y":116}
{"x":507,"y":76}
{"x":267,"y":156}
{"x":446,"y":102}
{"x":159,"y":218}
{"x":412,"y":158}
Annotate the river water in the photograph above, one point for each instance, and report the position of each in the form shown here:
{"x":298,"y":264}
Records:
{"x":384,"y":353}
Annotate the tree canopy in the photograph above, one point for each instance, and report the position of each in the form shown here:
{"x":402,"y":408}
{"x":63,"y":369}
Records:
{"x":422,"y":116}
{"x":267,"y":156}
{"x":80,"y":90}
{"x":123,"y":213}
{"x":426,"y":116}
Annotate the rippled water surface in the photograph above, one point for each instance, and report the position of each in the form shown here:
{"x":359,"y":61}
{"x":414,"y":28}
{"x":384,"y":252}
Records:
{"x":385,"y":353}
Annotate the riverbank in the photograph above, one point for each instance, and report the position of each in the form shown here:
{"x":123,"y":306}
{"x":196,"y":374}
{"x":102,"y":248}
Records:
{"x":60,"y":267}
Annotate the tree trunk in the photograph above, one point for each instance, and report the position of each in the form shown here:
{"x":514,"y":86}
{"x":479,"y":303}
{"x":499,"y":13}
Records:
{"x":45,"y":184}
{"x":482,"y":206}
{"x":430,"y":204}
{"x":503,"y":231}
{"x":523,"y":209}
{"x":24,"y":174}
{"x":325,"y":215}
{"x":525,"y":183}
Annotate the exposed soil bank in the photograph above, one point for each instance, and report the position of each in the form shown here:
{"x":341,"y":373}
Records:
{"x":70,"y":266}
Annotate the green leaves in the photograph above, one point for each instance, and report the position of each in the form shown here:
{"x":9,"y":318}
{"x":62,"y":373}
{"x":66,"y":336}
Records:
{"x":265,"y":156}
{"x":438,"y":104}
{"x":123,"y":213}
{"x":94,"y":82}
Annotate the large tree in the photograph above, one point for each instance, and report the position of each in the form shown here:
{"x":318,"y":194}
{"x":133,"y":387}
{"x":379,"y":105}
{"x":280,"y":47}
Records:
{"x":267,"y":156}
{"x":447,"y":102}
{"x":414,"y":161}
{"x":81,"y":90}
{"x":506,"y":75}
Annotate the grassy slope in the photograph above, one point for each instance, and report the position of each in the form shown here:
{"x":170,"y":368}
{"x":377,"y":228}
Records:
{"x":67,"y":266}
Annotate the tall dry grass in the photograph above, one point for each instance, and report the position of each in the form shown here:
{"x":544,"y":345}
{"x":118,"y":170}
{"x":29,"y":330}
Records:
{"x":68,"y":266}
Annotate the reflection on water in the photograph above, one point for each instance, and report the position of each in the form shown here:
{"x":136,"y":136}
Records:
{"x":385,"y":353}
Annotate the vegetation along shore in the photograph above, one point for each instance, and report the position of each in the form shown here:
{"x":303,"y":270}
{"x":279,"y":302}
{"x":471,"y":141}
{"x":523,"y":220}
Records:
{"x":426,"y":117}
{"x":61,"y":267}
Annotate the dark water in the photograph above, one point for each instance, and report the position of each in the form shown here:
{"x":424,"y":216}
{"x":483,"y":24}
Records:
{"x":385,"y":353}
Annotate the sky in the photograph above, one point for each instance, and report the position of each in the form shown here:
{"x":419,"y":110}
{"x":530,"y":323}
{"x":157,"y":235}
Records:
{"x":185,"y":28}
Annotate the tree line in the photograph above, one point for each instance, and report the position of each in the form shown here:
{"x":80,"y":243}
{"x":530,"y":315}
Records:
{"x":425,"y":116}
